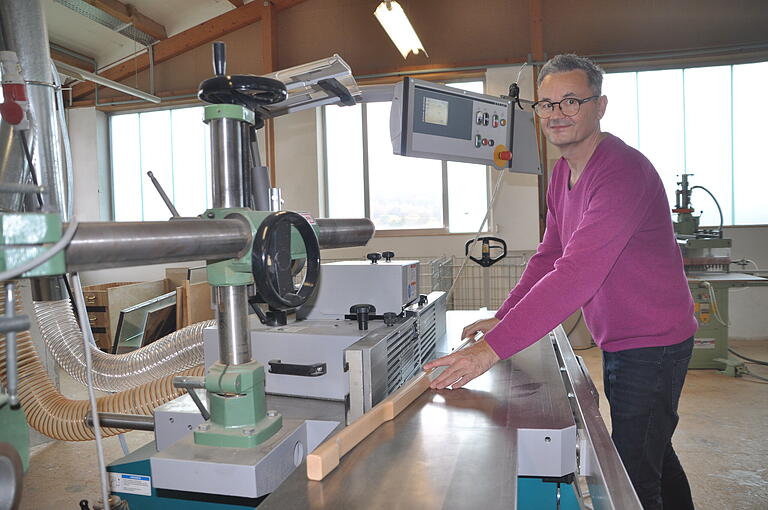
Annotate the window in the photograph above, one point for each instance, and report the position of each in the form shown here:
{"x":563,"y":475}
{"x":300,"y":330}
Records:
{"x":364,"y":177}
{"x":175,"y":146}
{"x":700,"y":121}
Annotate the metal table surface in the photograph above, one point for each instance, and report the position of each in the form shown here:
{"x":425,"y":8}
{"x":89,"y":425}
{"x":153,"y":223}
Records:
{"x":731,"y":279}
{"x":450,"y":449}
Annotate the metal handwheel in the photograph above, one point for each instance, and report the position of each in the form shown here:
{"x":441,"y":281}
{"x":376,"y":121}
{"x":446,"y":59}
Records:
{"x":273,"y":264}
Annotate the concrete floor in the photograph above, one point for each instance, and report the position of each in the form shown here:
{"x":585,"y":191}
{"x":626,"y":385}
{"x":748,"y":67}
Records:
{"x":720,"y":441}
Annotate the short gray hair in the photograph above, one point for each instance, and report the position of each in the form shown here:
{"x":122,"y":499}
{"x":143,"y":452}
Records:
{"x":570,"y":62}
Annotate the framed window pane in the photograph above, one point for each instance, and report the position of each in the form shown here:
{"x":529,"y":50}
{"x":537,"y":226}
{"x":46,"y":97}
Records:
{"x":708,"y":140}
{"x":126,"y":167}
{"x":467,"y":184}
{"x":621,"y":114}
{"x":661,"y":132}
{"x":156,"y":156}
{"x":404,"y":192}
{"x":467,"y":196}
{"x":471,"y":86}
{"x":175,"y":146}
{"x":750,"y":168}
{"x":344,"y":161}
{"x":191,"y":161}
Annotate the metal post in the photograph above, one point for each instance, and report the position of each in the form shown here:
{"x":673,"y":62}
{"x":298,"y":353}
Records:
{"x":227,"y":163}
{"x":25,"y":32}
{"x":228,"y":192}
{"x":10,"y":350}
{"x":232,"y":316}
{"x":103,"y":245}
{"x":123,"y":421}
{"x":275,"y":199}
{"x":151,"y":54}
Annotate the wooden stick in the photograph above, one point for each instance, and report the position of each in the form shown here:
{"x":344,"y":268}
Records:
{"x":327,"y":456}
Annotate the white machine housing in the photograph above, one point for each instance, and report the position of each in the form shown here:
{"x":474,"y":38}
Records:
{"x":389,"y":286}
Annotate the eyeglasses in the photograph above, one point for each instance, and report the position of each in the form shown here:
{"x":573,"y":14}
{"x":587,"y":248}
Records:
{"x":570,"y":106}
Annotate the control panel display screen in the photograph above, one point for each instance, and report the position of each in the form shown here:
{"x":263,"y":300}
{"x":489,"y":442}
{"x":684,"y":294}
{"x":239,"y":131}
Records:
{"x":435,"y":111}
{"x":446,"y":114}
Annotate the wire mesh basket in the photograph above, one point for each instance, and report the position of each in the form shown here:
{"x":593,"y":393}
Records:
{"x":476,"y":286}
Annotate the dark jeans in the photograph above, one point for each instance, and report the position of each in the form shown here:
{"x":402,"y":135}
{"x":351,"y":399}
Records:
{"x":643,"y":388}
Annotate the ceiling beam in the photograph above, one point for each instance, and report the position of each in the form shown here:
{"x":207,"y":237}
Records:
{"x":189,"y":39}
{"x":129,"y":14}
{"x":237,"y":3}
{"x":68,"y":57}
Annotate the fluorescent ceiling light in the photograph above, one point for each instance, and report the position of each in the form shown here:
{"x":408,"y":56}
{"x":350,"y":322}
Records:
{"x":395,"y":22}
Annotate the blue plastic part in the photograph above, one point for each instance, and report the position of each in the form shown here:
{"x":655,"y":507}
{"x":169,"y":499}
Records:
{"x":137,"y":463}
{"x":534,"y":493}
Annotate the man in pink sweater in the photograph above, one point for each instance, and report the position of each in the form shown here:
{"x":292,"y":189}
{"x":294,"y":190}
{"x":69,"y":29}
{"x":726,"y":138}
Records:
{"x":609,"y":249}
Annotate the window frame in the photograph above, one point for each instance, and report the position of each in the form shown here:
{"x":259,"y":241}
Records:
{"x":639,"y":67}
{"x":110,"y":151}
{"x":441,"y":231}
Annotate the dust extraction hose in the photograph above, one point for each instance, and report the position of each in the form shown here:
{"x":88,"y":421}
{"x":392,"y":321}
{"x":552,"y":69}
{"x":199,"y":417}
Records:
{"x":56,"y":416}
{"x":181,"y":350}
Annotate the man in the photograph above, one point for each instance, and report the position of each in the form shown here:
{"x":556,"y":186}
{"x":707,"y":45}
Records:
{"x":609,"y":249}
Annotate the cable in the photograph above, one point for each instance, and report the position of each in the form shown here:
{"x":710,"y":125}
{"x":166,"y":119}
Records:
{"x":520,"y":72}
{"x":62,"y":243}
{"x":751,"y":374}
{"x":759,"y":362}
{"x":713,"y":302}
{"x":716,"y":203}
{"x":28,"y":157}
{"x":64,"y":141}
{"x":479,"y":231}
{"x":88,"y":338}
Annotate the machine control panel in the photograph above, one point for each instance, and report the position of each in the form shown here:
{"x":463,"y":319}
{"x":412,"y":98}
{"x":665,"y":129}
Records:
{"x":435,"y":121}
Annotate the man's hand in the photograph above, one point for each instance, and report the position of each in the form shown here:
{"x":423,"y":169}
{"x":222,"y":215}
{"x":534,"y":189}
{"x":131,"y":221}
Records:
{"x":464,"y":365}
{"x":484,"y":325}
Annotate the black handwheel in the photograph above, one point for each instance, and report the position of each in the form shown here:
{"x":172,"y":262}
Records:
{"x":486,"y":259}
{"x":243,"y":89}
{"x":272,"y":264}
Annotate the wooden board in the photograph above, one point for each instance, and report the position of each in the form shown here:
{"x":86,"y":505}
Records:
{"x":181,"y":297}
{"x":197,"y":303}
{"x":327,"y":456}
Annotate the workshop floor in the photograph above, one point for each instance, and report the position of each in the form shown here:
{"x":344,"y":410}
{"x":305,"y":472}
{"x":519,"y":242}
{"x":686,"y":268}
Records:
{"x":720,"y":441}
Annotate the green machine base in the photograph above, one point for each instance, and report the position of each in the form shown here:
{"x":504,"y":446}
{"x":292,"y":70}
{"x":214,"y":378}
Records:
{"x":14,"y":429}
{"x":710,"y":344}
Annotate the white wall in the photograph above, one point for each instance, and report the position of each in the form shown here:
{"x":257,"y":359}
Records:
{"x":89,"y":136}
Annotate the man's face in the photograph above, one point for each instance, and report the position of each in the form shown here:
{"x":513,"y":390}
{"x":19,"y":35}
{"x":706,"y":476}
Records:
{"x":560,"y":130}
